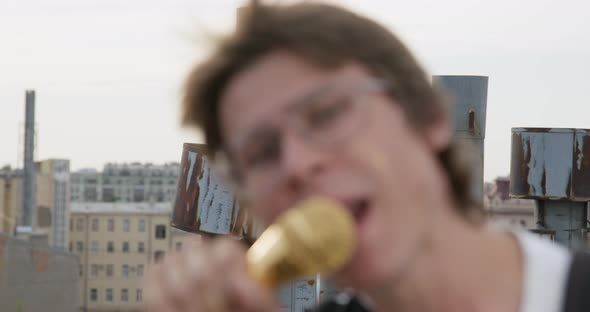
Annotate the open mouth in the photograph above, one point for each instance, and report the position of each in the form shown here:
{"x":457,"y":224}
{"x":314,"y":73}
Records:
{"x":359,"y":209}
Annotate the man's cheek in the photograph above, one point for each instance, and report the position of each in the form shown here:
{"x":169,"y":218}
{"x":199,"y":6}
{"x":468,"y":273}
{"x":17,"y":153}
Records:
{"x":370,"y":154}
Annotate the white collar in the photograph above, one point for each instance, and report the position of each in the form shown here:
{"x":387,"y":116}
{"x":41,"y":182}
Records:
{"x":546,"y":268}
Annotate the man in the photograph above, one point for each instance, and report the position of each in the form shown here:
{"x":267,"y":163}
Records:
{"x":311,"y":99}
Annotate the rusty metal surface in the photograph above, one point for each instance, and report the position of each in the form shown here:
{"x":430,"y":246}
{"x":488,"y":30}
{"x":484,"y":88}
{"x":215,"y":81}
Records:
{"x":581,"y":166}
{"x":550,"y":163}
{"x":469,"y":97}
{"x":568,"y":220}
{"x":203,"y":203}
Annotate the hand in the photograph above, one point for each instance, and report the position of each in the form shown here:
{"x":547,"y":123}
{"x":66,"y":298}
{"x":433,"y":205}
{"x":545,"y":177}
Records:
{"x":205,"y":277}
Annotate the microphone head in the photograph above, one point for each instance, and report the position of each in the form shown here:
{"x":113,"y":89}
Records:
{"x":316,"y":236}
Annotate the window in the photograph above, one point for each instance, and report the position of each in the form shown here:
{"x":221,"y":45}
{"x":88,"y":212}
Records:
{"x":110,"y":247}
{"x":125,"y":246}
{"x":125,"y":271}
{"x":160,"y":231}
{"x":71,"y":225}
{"x":138,"y":195}
{"x":140,"y":270}
{"x":111,"y":225}
{"x":139,"y":295}
{"x":95,"y":225}
{"x":109,"y":295}
{"x":178,"y":246}
{"x":158,"y":255}
{"x":80,"y":246}
{"x":93,"y":294}
{"x":80,"y":224}
{"x":140,"y":247}
{"x":109,"y":269}
{"x":108,"y":195}
{"x":124,"y":295}
{"x":94,"y":246}
{"x":126,"y":224}
{"x":141,"y":225}
{"x":71,"y":246}
{"x":90,"y":194}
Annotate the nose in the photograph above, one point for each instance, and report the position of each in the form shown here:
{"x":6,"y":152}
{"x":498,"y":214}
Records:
{"x":301,"y":162}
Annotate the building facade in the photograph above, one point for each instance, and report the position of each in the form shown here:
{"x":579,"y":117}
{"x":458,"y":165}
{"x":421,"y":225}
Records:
{"x":116,"y":242}
{"x":10,"y":198}
{"x":133,"y":182}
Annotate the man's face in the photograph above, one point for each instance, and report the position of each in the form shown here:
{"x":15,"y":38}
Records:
{"x":372,"y":161}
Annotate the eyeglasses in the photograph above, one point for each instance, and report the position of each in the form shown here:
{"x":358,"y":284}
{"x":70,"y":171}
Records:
{"x":324,"y":118}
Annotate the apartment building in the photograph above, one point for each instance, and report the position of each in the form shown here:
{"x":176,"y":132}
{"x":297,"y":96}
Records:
{"x":134,"y":182}
{"x":51,"y":199}
{"x":116,"y":242}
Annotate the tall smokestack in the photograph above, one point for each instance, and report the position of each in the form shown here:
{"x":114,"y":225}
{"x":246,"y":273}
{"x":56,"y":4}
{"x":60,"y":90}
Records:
{"x":28,"y":213}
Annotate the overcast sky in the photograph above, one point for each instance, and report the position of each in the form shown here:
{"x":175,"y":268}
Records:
{"x":108,"y":72}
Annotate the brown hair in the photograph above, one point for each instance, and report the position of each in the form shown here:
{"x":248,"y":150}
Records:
{"x":327,"y":36}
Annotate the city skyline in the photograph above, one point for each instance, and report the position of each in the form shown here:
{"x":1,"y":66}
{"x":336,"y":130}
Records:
{"x":108,"y":75}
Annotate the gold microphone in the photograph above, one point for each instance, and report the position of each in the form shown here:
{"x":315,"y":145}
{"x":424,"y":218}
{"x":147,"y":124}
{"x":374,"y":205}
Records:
{"x":316,"y":236}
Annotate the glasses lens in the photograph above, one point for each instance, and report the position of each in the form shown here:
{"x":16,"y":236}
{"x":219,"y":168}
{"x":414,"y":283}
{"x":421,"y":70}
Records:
{"x":328,"y":118}
{"x":259,"y":151}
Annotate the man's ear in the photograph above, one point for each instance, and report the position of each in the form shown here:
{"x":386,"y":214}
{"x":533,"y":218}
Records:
{"x":438,"y":134}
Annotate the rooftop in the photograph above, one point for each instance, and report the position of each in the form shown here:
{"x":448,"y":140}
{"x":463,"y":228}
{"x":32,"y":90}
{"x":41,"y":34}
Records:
{"x":121,"y":208}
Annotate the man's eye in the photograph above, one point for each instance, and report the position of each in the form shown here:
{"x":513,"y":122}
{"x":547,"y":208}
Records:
{"x":323,"y":114}
{"x":262,"y":154}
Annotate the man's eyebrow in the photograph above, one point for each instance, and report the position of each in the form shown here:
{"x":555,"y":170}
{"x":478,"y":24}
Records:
{"x":294,"y":106}
{"x":291,"y":107}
